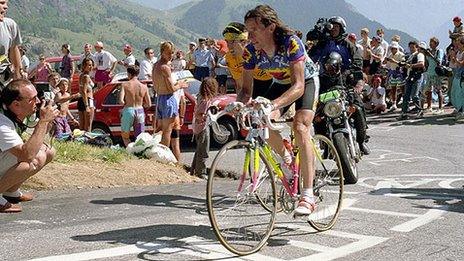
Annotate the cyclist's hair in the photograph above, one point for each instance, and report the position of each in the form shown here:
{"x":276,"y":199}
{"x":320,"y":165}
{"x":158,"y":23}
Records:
{"x":147,"y":50}
{"x":133,"y":70}
{"x":266,"y":15}
{"x":54,"y":74}
{"x":234,"y":28}
{"x":435,"y":40}
{"x":166,"y":45}
{"x":208,"y":88}
{"x":11,"y":92}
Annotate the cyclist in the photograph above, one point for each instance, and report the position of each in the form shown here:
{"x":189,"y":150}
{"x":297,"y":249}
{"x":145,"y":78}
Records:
{"x":276,"y":49}
{"x":236,"y":37}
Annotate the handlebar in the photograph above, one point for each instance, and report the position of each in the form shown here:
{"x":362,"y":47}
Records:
{"x":255,"y":115}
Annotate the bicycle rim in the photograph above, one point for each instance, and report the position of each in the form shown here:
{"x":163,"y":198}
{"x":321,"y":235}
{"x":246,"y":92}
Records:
{"x":242,"y":220}
{"x":328,"y":184}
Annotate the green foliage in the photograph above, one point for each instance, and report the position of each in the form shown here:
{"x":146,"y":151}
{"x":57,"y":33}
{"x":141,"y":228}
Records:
{"x":68,"y":152}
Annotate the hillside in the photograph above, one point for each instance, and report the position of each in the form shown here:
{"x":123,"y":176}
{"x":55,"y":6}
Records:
{"x":47,"y":24}
{"x":299,"y":14}
{"x":437,"y":13}
{"x":161,"y":4}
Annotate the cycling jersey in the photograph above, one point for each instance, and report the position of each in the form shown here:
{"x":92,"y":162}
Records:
{"x":235,"y":65}
{"x":279,"y":65}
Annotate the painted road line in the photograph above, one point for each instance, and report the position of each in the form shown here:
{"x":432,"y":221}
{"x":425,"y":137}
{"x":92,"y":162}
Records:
{"x":326,"y":211}
{"x":408,"y":160}
{"x":428,"y":217}
{"x":310,"y":246}
{"x":363,"y":242}
{"x":383,"y":212}
{"x":447,"y":183}
{"x":432,"y":175}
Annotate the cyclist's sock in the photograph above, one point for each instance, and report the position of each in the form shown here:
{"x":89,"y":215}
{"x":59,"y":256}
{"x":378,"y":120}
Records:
{"x":308,"y":194}
{"x":287,"y":157}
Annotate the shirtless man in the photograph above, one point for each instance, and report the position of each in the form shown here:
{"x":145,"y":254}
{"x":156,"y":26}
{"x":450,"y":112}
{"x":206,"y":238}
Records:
{"x":167,"y":107}
{"x":134,"y":95}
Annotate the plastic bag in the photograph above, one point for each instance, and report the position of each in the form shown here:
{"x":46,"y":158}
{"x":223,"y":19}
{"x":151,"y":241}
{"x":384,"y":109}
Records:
{"x":160,"y":153}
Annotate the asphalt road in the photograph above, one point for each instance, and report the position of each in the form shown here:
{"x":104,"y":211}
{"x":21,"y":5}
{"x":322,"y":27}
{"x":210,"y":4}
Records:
{"x":408,"y":205}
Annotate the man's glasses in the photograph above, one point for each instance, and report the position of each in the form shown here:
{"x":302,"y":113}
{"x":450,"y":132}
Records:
{"x":29,"y":100}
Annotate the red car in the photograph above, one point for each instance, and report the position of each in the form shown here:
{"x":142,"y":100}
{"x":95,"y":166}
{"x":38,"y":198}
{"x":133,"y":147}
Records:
{"x":108,"y":112}
{"x":55,"y":63}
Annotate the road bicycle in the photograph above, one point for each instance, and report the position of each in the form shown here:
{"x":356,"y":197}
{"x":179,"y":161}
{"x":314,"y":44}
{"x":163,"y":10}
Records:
{"x":243,"y":207}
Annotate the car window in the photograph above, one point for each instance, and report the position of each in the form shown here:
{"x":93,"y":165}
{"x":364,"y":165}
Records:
{"x":113,"y":97}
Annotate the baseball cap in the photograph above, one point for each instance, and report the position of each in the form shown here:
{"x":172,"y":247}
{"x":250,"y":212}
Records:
{"x":193,"y":43}
{"x":352,"y":36}
{"x":457,"y":19}
{"x":423,"y":45}
{"x":99,"y":44}
{"x":128,"y":47}
{"x":394,"y":45}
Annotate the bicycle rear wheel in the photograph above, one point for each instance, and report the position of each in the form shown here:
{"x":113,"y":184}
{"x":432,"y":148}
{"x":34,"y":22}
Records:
{"x":328,"y":184}
{"x":241,"y":219}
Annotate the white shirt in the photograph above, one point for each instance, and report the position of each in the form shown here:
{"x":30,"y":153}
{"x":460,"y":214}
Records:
{"x":178,"y":64}
{"x":104,"y":60}
{"x":146,"y":66}
{"x":378,"y":51}
{"x":129,"y":60}
{"x":360,"y":49}
{"x":9,"y":138}
{"x":25,"y":62}
{"x":378,"y":98}
{"x":384,"y":45}
{"x":9,"y":35}
{"x":398,"y":56}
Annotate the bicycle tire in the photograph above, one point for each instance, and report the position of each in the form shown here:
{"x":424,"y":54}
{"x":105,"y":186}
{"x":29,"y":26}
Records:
{"x":236,"y":231}
{"x":328,"y":185}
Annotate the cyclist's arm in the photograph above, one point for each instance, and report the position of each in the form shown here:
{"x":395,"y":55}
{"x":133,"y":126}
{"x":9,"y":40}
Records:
{"x":297,"y":88}
{"x":247,"y":86}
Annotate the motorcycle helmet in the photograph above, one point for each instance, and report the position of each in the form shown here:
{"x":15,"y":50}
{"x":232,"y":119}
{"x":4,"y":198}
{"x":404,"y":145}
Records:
{"x":333,"y":63}
{"x":339,"y":20}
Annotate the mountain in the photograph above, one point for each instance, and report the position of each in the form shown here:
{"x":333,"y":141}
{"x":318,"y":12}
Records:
{"x":47,"y":24}
{"x":161,"y":4}
{"x":299,"y":14}
{"x":425,"y":18}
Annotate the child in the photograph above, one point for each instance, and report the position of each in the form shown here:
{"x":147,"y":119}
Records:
{"x":208,"y":90}
{"x":376,"y":96}
{"x":62,"y":99}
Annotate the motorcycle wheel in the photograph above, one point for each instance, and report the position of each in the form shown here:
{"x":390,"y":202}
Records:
{"x":350,"y":170}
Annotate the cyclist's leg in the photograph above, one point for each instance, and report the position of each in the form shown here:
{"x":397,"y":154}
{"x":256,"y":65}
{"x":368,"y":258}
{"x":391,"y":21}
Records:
{"x":305,"y":108}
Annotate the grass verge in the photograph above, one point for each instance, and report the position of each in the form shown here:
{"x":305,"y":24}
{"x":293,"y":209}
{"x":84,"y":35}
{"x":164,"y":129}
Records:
{"x":68,"y":152}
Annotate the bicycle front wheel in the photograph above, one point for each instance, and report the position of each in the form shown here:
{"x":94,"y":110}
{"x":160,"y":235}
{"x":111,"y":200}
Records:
{"x":328,"y":184}
{"x":241,"y":218}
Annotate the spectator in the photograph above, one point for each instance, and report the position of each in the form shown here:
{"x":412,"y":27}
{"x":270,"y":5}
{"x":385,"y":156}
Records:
{"x":135,"y":97}
{"x":395,"y":74}
{"x":178,"y":63}
{"x":299,"y":34}
{"x":146,"y":66}
{"x":376,"y":53}
{"x":203,"y":60}
{"x":376,"y":97}
{"x":129,"y":59}
{"x":352,"y":38}
{"x":397,"y":38}
{"x":433,"y":82}
{"x":86,"y":54}
{"x":53,"y":80}
{"x":175,"y":134}
{"x":20,"y":160}
{"x":208,"y":90}
{"x":85,"y":104}
{"x":105,"y":63}
{"x":221,"y":71}
{"x":458,"y":30}
{"x":383,"y":42}
{"x":62,"y":99}
{"x":167,"y":108}
{"x":9,"y":45}
{"x":415,"y":66}
{"x":25,"y":63}
{"x":41,"y":71}
{"x":457,"y":92}
{"x":67,"y":66}
{"x":189,"y":57}
{"x":365,"y":42}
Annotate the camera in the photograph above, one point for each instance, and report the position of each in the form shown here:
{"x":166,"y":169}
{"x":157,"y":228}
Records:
{"x":321,"y":30}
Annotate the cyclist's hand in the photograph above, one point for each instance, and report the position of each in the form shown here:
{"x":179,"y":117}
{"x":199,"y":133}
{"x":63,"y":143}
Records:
{"x":234,"y":106}
{"x":268,"y":107}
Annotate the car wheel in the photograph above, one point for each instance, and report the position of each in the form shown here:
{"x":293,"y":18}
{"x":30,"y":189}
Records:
{"x":219,"y":141}
{"x":101,"y":128}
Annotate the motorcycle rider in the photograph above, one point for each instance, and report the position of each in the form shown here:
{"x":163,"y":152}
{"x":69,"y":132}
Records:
{"x":349,"y":63}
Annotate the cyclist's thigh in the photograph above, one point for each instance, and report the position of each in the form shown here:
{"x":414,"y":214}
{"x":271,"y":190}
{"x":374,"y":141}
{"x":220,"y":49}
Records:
{"x":309,"y":99}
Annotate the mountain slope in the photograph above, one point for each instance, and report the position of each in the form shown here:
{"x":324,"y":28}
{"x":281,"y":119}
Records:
{"x":208,"y":17}
{"x":46,"y":24}
{"x":161,"y":4}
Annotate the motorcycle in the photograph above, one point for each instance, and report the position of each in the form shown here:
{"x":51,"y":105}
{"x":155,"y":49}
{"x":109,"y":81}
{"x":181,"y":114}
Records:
{"x":333,"y":120}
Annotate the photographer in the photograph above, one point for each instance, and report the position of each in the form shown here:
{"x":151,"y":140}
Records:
{"x":21,"y":160}
{"x":332,"y":38}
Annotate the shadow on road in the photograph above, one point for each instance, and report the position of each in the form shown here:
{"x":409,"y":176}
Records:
{"x":442,"y":119}
{"x":158,"y":200}
{"x":450,"y":199}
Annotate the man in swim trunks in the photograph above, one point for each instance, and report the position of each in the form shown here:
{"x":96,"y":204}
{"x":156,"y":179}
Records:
{"x":167,"y":107}
{"x":134,"y":95}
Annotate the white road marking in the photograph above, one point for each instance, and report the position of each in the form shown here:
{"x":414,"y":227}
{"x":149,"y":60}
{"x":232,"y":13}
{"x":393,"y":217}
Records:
{"x":386,"y":129}
{"x":363,"y":242}
{"x":322,"y":213}
{"x":447,"y":183}
{"x":383,"y":212}
{"x":29,"y":222}
{"x":428,"y":217}
{"x":310,"y":246}
{"x":408,"y":160}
